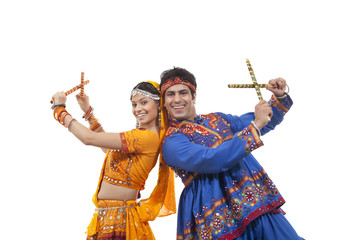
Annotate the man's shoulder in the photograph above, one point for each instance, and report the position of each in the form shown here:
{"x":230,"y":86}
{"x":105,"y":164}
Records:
{"x":212,"y":115}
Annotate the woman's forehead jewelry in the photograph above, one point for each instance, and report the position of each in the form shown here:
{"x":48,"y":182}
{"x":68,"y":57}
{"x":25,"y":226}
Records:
{"x":145,"y":94}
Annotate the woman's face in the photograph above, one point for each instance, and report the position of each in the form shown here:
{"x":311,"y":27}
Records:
{"x":145,"y":111}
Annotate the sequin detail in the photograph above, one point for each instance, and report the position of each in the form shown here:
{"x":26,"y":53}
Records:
{"x":212,"y":136}
{"x":117,"y":168}
{"x":115,"y":217}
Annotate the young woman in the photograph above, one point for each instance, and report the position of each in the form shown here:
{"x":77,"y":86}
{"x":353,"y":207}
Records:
{"x":130,"y":156}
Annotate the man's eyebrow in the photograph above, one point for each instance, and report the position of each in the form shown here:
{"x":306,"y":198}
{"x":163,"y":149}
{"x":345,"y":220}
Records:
{"x":181,"y":90}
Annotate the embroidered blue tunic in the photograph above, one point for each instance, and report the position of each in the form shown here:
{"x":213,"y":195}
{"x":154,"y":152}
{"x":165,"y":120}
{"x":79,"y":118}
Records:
{"x":225,"y":187}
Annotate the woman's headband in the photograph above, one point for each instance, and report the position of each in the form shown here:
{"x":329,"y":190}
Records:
{"x":168,"y":83}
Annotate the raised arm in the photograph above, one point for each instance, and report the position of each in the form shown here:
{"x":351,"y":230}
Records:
{"x":89,"y":116}
{"x":276,"y":108}
{"x":88,"y":137}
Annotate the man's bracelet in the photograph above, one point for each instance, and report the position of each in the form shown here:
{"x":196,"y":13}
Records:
{"x":256,"y":127}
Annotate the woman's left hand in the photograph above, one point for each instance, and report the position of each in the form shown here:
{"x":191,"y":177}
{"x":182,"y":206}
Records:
{"x":59,"y":98}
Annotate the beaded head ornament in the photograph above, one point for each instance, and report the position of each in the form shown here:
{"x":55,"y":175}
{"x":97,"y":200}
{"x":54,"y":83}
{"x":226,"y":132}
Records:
{"x":145,"y":93}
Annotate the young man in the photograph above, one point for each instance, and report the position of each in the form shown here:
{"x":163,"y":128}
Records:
{"x":227,"y":194}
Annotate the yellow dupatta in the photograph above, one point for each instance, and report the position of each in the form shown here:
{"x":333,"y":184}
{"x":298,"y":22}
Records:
{"x":162,"y":199}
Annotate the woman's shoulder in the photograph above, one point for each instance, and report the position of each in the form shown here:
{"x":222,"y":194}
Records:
{"x":145,"y":134}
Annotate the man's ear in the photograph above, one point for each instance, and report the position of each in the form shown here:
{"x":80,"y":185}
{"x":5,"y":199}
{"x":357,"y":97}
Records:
{"x":194,"y":98}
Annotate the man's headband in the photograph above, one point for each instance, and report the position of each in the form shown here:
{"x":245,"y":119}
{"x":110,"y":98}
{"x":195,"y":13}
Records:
{"x":145,"y":93}
{"x":168,"y":83}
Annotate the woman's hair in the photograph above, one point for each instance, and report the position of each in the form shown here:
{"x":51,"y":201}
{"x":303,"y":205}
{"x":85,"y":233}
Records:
{"x":148,"y":87}
{"x":182,"y":73}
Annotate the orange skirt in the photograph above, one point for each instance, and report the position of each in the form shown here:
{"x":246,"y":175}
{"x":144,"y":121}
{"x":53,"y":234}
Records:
{"x":119,"y":220}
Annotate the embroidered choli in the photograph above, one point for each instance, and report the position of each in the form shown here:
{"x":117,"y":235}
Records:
{"x":131,"y":166}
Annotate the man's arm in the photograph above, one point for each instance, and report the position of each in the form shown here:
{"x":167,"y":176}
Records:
{"x":279,"y":108}
{"x":179,"y":151}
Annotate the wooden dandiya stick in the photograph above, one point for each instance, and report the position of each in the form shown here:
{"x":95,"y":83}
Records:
{"x":73,"y":89}
{"x":256,"y":85}
{"x":249,"y":86}
{"x":76,"y":88}
{"x":82,"y":86}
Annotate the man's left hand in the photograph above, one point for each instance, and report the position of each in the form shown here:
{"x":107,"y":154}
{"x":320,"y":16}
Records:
{"x":278,"y":86}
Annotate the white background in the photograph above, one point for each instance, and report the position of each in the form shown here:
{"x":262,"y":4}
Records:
{"x":48,"y":177}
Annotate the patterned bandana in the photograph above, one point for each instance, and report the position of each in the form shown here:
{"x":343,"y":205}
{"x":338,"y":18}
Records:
{"x":176,"y":80}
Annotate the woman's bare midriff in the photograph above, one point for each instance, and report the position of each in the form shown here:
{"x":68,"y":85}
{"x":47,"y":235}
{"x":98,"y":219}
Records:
{"x":110,"y":191}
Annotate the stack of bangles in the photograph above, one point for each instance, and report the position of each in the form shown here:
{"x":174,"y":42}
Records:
{"x":93,"y":122}
{"x":60,"y":114}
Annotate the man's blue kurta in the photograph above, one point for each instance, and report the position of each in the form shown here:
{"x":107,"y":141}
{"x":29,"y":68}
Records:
{"x":225,"y":187}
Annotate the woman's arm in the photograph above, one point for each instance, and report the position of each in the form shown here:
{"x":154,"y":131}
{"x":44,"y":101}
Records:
{"x":84,"y":104}
{"x":98,"y":139}
{"x":85,"y":135}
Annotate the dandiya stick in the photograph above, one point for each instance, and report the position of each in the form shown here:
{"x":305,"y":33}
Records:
{"x":82,"y":86}
{"x":249,"y":86}
{"x":74,"y":89}
{"x":256,"y":85}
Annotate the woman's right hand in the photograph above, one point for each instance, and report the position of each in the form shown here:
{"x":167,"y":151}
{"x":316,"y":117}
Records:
{"x":84,"y":103}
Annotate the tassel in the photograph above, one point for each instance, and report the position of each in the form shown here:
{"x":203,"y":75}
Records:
{"x":91,"y":229}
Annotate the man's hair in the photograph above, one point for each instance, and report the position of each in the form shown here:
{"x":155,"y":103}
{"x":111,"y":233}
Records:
{"x":148,"y":87}
{"x":181,"y":73}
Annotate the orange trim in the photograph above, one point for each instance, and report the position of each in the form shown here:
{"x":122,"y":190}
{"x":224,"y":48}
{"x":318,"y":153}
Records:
{"x":221,"y":201}
{"x":255,"y":133}
{"x":124,"y":143}
{"x":207,"y":129}
{"x":189,"y":179}
{"x":279,"y":105}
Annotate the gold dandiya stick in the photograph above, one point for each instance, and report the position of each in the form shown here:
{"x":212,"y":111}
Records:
{"x":249,"y":86}
{"x":256,"y":85}
{"x":73,"y":89}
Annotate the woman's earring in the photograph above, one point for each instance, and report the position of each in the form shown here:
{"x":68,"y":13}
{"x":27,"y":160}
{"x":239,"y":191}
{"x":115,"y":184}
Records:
{"x":159,"y":116}
{"x":137,"y":124}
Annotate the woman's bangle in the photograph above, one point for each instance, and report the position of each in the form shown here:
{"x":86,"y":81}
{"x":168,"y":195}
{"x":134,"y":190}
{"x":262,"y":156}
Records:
{"x":58,"y":105}
{"x":60,"y":114}
{"x":88,"y":114}
{"x":70,"y":123}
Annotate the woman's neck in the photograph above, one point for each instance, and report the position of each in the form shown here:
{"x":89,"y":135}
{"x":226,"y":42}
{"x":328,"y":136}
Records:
{"x":154,"y":129}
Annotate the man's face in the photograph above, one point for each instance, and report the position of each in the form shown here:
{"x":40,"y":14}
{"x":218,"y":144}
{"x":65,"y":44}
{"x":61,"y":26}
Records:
{"x":179,"y":102}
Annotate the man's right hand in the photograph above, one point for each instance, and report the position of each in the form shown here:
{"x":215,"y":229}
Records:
{"x":263,"y":114}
